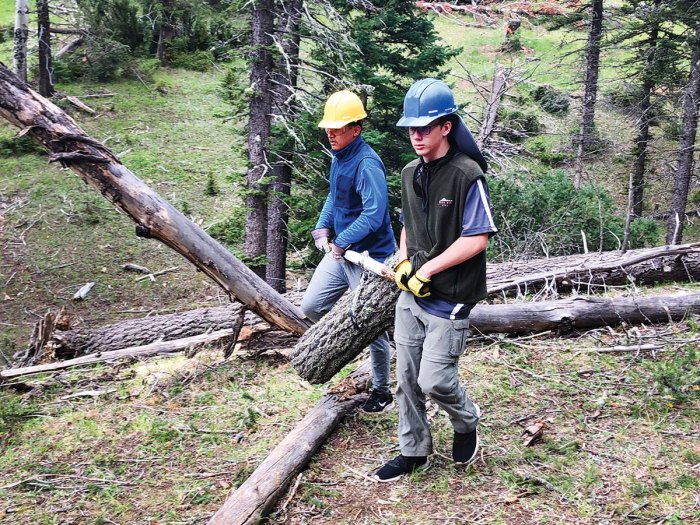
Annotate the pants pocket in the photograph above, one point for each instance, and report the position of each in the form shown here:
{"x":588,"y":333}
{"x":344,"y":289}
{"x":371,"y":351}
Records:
{"x":460,"y":332}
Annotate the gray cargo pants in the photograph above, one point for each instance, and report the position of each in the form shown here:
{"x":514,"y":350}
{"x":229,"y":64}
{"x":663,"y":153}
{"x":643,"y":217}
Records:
{"x":427,"y":350}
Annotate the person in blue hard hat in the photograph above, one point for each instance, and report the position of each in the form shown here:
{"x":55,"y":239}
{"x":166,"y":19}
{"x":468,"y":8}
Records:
{"x":357,"y":212}
{"x":447,"y":222}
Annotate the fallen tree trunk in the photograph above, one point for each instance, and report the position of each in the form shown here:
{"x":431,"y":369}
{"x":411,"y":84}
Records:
{"x":590,"y":271}
{"x":638,"y":266}
{"x":161,"y":347}
{"x":581,"y":313}
{"x":259,"y":493}
{"x":154,"y":217}
{"x":68,"y":344}
{"x":314,"y":362}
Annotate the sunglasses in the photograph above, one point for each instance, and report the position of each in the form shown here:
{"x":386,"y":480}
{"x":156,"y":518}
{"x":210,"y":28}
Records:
{"x":421,"y":130}
{"x":333,"y":132}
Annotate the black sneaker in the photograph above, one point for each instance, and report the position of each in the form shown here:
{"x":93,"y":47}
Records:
{"x":378,"y":401}
{"x":400,"y":466}
{"x":466,"y":446}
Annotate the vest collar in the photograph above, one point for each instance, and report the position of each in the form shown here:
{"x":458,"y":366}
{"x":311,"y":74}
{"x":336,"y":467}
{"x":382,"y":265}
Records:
{"x":350,"y":150}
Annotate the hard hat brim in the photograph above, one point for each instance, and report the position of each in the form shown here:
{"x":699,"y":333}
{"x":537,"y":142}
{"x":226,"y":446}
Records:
{"x":466,"y":144}
{"x":333,"y":124}
{"x":405,"y":122}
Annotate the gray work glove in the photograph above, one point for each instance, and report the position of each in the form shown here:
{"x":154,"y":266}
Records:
{"x":321,"y":239}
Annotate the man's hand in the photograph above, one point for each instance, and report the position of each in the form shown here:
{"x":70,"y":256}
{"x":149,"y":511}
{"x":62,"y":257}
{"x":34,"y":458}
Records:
{"x":321,"y":239}
{"x":419,"y":285}
{"x":402,"y":273}
{"x":337,"y":252}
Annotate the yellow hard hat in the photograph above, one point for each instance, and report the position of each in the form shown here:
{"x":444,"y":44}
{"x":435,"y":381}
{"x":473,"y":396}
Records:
{"x":342,"y":108}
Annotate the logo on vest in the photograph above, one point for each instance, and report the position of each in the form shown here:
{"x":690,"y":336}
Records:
{"x":445,"y":202}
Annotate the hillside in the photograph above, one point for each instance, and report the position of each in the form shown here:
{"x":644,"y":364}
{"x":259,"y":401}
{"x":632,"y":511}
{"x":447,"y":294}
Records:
{"x":162,"y":441}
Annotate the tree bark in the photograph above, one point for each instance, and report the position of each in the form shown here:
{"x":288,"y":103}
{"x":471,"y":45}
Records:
{"x":255,"y":246}
{"x":590,"y":85}
{"x":589,"y":272}
{"x":167,"y":30}
{"x":67,"y":344}
{"x":689,"y":124}
{"x":357,"y":319}
{"x":155,"y":217}
{"x":21,"y":35}
{"x":284,"y":108}
{"x":46,"y":87}
{"x":259,"y":493}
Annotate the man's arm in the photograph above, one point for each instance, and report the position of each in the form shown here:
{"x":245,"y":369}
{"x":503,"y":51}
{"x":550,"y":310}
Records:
{"x":459,"y":251}
{"x":403,"y":249}
{"x":325,"y":219}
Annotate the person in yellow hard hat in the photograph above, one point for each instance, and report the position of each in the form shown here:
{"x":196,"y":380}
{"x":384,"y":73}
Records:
{"x":355,"y":215}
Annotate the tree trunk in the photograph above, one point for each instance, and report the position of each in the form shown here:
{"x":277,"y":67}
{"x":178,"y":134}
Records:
{"x":357,"y":319}
{"x":255,"y":246}
{"x":46,"y":87}
{"x":19,"y":53}
{"x":581,"y":313}
{"x":71,"y":46}
{"x":157,"y":348}
{"x":689,"y":124}
{"x":635,"y":196}
{"x":284,"y":109}
{"x":154,"y":217}
{"x":167,"y":30}
{"x":498,"y":87}
{"x":590,"y":85}
{"x":67,"y":344}
{"x":256,"y":497}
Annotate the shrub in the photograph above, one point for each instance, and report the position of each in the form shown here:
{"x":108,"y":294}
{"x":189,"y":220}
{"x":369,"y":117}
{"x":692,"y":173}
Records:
{"x":231,"y":230}
{"x":546,"y":214}
{"x":519,"y":120}
{"x":644,"y":233}
{"x":9,"y":147}
{"x":542,"y":149}
{"x":194,"y":61}
{"x":551,"y":100}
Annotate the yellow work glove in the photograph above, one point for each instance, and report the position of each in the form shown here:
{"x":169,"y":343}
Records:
{"x":419,"y":285}
{"x":402,"y":272}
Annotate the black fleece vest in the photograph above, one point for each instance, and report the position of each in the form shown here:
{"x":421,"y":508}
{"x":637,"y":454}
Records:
{"x":434,"y":222}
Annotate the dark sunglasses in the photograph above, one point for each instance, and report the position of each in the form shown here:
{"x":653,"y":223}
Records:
{"x":421,"y":130}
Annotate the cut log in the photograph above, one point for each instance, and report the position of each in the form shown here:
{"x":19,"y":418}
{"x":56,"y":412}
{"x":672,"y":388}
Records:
{"x":154,"y":217}
{"x":259,"y":493}
{"x":73,"y":343}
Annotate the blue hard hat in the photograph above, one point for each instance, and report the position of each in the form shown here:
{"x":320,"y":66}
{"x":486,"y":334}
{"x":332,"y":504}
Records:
{"x":425,"y":101}
{"x":429,"y":99}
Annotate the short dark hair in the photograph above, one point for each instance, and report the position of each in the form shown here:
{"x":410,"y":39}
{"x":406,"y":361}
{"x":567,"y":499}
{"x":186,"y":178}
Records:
{"x":355,"y":123}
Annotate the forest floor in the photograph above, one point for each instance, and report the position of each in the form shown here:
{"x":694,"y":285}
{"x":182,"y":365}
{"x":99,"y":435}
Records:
{"x":163,"y":441}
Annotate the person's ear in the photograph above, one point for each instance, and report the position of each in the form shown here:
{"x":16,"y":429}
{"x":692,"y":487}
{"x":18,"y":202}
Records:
{"x":446,"y":128}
